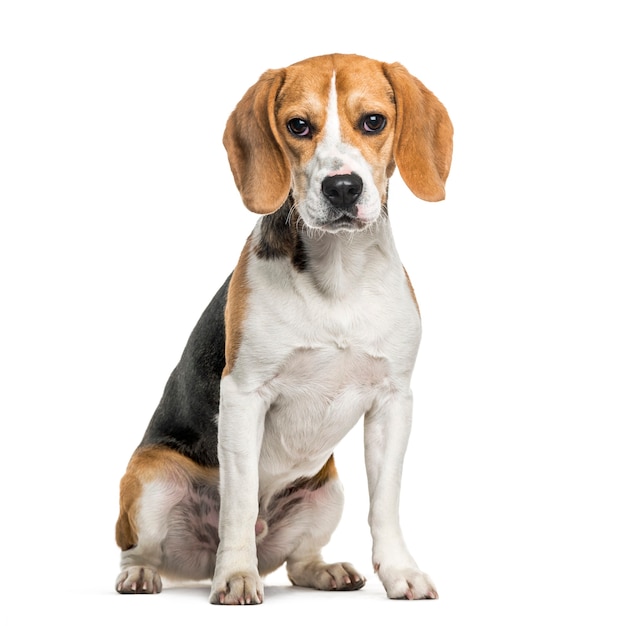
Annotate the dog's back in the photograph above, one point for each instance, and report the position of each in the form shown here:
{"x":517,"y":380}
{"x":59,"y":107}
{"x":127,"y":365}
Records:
{"x":185,"y":419}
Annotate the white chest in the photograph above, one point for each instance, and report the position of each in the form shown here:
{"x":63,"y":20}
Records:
{"x":321,"y":347}
{"x":322,"y":364}
{"x":317,"y":398}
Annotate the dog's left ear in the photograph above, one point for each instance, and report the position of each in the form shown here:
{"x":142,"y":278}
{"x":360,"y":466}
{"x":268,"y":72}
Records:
{"x":423,"y":135}
{"x":261,"y":170}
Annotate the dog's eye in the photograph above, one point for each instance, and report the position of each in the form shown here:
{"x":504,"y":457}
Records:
{"x":299,"y":127}
{"x":373,"y":123}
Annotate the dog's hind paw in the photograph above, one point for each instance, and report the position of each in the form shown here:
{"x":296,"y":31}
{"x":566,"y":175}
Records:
{"x":328,"y":577}
{"x":137,"y":579}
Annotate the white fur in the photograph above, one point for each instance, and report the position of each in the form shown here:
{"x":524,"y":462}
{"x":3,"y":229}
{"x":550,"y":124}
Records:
{"x":336,"y":355}
{"x":320,"y":349}
{"x":334,"y":156}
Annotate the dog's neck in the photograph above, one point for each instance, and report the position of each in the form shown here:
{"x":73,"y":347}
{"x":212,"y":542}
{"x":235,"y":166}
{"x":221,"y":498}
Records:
{"x":334,"y":262}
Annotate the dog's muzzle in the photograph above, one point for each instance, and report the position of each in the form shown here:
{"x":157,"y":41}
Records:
{"x":342,"y":192}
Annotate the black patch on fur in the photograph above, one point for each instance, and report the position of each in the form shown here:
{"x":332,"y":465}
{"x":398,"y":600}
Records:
{"x":185,"y":419}
{"x":279,"y":237}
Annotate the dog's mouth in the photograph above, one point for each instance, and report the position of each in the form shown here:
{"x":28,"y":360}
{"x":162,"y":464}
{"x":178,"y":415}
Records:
{"x":345,"y":223}
{"x":326,"y":217}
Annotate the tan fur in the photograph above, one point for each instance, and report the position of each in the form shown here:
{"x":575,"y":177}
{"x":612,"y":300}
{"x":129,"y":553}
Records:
{"x":328,"y":472}
{"x":126,"y":527}
{"x":146,"y":465}
{"x":412,"y":291}
{"x":423,"y":135}
{"x":236,"y":309}
{"x":417,"y":139}
{"x":261,"y":172}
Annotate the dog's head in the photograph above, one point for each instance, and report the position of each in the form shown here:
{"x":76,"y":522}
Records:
{"x":330,"y":130}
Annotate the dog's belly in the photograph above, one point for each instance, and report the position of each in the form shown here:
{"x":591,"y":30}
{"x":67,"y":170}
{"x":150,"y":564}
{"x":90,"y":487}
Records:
{"x":190,"y":538}
{"x":319,"y":396}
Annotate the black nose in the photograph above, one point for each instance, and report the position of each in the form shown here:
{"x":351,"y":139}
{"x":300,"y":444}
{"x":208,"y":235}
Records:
{"x":342,"y":190}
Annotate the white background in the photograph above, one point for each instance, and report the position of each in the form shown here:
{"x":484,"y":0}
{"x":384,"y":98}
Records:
{"x":120,"y":219}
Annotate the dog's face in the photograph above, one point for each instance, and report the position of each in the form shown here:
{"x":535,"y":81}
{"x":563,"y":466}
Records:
{"x":330,"y":131}
{"x":337,"y":131}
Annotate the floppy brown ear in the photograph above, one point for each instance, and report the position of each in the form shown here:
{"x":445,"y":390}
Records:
{"x":261,"y":170}
{"x":423,"y":135}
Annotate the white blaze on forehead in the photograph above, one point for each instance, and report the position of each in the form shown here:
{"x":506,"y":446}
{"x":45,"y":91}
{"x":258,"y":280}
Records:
{"x":331,"y":143}
{"x":332,"y":136}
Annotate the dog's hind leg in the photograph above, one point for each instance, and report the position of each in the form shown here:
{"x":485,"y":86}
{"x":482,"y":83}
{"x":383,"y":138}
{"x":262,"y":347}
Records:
{"x":139,"y":538}
{"x":318,"y":516}
{"x":161,"y":496}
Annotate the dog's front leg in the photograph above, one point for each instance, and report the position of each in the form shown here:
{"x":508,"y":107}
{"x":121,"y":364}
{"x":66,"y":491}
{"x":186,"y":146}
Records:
{"x":241,"y":426}
{"x":387,"y":429}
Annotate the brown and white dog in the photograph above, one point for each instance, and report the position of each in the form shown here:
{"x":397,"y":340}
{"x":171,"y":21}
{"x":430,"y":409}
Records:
{"x":316,"y":327}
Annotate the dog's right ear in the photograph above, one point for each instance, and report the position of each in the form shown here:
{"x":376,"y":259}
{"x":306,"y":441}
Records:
{"x":261,"y":169}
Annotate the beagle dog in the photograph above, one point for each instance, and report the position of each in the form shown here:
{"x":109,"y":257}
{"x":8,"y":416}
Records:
{"x":316,"y":327}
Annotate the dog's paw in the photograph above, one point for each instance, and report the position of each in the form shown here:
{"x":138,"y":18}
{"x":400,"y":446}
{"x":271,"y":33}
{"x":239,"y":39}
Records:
{"x":329,"y":577}
{"x":238,"y":588}
{"x":138,"y":580}
{"x":407,"y":584}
